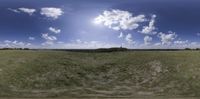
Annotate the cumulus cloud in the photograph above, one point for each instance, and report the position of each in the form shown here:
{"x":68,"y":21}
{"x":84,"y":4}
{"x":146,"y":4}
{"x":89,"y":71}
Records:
{"x":194,"y":43}
{"x":51,"y":12}
{"x":80,"y":44}
{"x":14,"y":10}
{"x":147,"y":40}
{"x":47,"y":43}
{"x":129,"y":39}
{"x":29,"y":11}
{"x":157,"y":44}
{"x":31,"y":38}
{"x":119,"y":20}
{"x":180,"y":42}
{"x":60,"y":42}
{"x":79,"y":41}
{"x":7,"y":41}
{"x":121,"y":35}
{"x":198,"y":34}
{"x":49,"y":38}
{"x":54,"y":30}
{"x":150,"y":28}
{"x":167,"y":38}
{"x":15,"y":44}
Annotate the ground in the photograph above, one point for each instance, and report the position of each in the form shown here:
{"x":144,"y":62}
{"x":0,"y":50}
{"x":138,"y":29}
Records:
{"x":89,"y":74}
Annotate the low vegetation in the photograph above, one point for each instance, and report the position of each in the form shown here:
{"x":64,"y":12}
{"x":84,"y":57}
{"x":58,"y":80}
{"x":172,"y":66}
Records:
{"x":107,"y":74}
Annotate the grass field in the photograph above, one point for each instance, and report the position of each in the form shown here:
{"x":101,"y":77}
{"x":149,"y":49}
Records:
{"x":116,"y":74}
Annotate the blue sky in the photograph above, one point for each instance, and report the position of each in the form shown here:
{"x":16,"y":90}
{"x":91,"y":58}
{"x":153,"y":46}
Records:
{"x":99,"y":23}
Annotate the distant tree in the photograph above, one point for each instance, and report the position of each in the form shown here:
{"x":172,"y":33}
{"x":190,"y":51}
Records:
{"x":26,"y":48}
{"x":187,"y":49}
{"x":111,"y":49}
{"x":6,"y":48}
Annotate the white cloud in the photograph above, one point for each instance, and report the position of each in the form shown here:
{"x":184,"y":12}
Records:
{"x":79,"y":44}
{"x":157,"y":44}
{"x":51,"y":12}
{"x":119,"y":20}
{"x":7,"y":41}
{"x":147,"y":40}
{"x":31,"y":38}
{"x":129,"y":39}
{"x":47,"y":43}
{"x":49,"y":38}
{"x":90,"y":45}
{"x":194,"y":43}
{"x":15,"y":44}
{"x":198,"y":34}
{"x":54,"y":30}
{"x":121,"y":35}
{"x":60,"y":42}
{"x":78,"y":41}
{"x":180,"y":42}
{"x":14,"y":10}
{"x":27,"y":10}
{"x":150,"y":29}
{"x":167,"y":38}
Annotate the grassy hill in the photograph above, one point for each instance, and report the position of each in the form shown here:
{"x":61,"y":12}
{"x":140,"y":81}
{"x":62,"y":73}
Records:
{"x":114,"y":74}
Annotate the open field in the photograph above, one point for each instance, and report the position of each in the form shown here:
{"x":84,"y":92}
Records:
{"x":115,"y":74}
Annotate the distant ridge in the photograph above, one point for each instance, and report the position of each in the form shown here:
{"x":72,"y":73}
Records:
{"x":112,"y":49}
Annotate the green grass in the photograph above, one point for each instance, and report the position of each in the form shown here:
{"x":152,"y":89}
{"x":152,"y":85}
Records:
{"x":116,"y":74}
